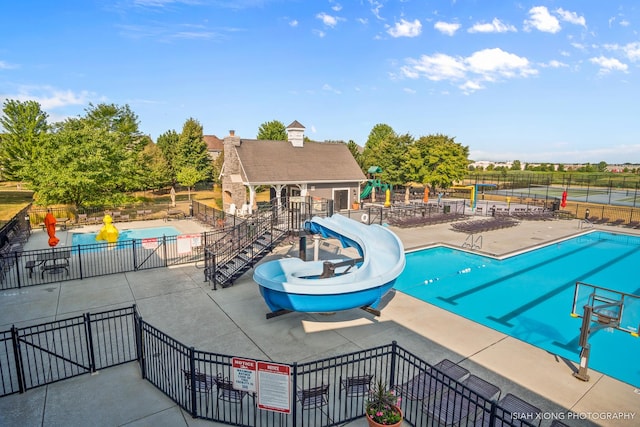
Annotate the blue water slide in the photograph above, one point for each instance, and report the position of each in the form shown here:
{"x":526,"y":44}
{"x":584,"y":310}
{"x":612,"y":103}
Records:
{"x":296,"y":285}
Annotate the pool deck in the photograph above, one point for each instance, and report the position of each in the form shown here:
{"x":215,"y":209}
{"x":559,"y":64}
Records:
{"x":232,"y":321}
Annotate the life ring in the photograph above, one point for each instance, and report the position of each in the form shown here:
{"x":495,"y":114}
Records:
{"x":364,"y":218}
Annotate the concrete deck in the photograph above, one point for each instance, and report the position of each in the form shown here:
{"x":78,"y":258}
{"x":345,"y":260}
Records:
{"x":232,"y":321}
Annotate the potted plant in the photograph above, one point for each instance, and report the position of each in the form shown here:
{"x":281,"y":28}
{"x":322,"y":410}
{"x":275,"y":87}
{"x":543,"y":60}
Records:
{"x":382,"y":408}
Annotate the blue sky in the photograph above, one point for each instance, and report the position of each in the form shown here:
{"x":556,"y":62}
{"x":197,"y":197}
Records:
{"x":536,"y":81}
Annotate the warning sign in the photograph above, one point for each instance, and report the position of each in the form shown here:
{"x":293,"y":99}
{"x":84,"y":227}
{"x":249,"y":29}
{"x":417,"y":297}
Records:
{"x":274,"y":387}
{"x":244,"y":374}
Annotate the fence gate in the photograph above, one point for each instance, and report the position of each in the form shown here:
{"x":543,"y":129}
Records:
{"x":54,"y":351}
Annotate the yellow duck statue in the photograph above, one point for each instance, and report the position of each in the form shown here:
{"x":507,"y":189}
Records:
{"x":108,"y":232}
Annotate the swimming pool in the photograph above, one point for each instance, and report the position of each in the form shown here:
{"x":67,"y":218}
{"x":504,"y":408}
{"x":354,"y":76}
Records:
{"x":137,"y":233}
{"x":529,"y":296}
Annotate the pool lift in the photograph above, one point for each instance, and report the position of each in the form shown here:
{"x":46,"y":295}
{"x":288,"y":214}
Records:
{"x":603,"y":310}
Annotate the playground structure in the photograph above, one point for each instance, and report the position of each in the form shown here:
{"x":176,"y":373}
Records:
{"x":473,"y":191}
{"x":374,"y":185}
{"x":602,"y":308}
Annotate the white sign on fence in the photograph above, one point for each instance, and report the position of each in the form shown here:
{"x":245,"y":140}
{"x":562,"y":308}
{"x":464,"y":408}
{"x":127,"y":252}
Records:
{"x":244,"y":374}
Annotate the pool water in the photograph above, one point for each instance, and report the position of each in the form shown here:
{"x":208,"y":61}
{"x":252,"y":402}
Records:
{"x":529,"y":296}
{"x":139,"y":233}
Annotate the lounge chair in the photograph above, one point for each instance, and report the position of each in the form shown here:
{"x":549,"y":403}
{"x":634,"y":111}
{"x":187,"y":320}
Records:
{"x":459,"y":403}
{"x":507,"y":407}
{"x":425,"y":384}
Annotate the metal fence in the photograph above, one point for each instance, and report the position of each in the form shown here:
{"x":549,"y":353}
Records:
{"x":326,"y":392}
{"x":37,"y":355}
{"x":41,"y":266}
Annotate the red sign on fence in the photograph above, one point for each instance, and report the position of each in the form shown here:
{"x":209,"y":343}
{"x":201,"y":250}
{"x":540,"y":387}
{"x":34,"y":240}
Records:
{"x":274,"y":387}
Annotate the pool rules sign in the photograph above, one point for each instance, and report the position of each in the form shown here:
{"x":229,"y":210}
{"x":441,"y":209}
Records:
{"x":271,"y":382}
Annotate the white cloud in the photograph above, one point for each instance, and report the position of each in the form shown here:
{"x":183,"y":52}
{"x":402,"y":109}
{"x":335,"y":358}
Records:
{"x":7,"y":66}
{"x":437,"y":67}
{"x":293,"y":23}
{"x":555,"y":64}
{"x":193,"y":35}
{"x":541,"y":20}
{"x":328,"y":20}
{"x":608,"y":64}
{"x":488,"y":65}
{"x":51,"y":98}
{"x":406,"y":29}
{"x":571,"y":17}
{"x":495,"y":26}
{"x":448,"y":28}
{"x":470,"y":86}
{"x":328,"y":88}
{"x":496,"y":62}
{"x":632,"y":51}
{"x":319,"y":33}
{"x":375,"y":9}
{"x":336,"y":7}
{"x":409,"y":91}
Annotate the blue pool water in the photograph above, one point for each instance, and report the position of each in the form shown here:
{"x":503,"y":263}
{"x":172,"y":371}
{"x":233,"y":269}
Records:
{"x":140,"y":233}
{"x":529,"y":296}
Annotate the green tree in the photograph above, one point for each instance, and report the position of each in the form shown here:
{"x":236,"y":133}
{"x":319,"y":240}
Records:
{"x":24,"y":124}
{"x":153,"y":167}
{"x":516,"y":165}
{"x":78,"y":165}
{"x":446,"y":161}
{"x":272,"y":131}
{"x":602,"y":167}
{"x":373,"y":153}
{"x":192,"y":150}
{"x":168,"y":144}
{"x":189,"y":176}
{"x":356,"y":152}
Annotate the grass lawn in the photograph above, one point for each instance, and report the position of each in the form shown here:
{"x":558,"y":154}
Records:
{"x":12,"y":200}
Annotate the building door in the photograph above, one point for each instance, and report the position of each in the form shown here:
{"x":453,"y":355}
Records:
{"x":340,"y":199}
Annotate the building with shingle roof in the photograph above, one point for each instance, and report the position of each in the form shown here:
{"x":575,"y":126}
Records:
{"x":215,"y":145}
{"x":291,"y":168}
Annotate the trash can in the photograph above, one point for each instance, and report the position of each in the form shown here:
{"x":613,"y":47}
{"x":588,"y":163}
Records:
{"x":447,"y":208}
{"x":556,"y":205}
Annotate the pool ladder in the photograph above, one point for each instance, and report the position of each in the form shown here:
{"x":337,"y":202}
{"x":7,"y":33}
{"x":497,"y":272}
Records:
{"x":473,"y":242}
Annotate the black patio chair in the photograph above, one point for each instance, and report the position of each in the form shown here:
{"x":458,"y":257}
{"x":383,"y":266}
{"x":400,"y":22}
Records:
{"x":227,"y":393}
{"x":314,"y":397}
{"x":200,"y":382}
{"x":355,"y":386}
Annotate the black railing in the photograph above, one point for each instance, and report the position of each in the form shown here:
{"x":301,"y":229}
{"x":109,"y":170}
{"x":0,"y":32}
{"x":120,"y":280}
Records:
{"x":42,"y":354}
{"x":326,"y":392}
{"x":41,"y":266}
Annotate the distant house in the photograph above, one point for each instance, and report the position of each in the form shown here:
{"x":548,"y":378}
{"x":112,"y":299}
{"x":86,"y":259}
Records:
{"x":215,"y":146}
{"x":289,"y":168}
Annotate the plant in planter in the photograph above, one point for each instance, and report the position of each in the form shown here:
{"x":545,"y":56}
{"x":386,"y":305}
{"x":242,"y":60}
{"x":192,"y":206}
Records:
{"x":383,"y":406}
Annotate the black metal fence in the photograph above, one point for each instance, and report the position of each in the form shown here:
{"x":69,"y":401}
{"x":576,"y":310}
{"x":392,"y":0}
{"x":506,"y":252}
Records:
{"x":50,"y":352}
{"x":41,"y":266}
{"x":326,"y":392}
